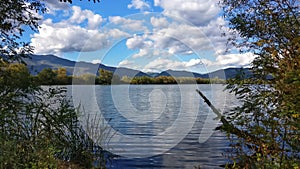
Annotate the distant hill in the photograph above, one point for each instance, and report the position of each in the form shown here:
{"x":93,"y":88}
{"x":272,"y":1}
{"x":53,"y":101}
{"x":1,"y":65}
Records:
{"x":230,"y":73}
{"x":40,"y":62}
{"x":222,"y":73}
{"x":175,"y":73}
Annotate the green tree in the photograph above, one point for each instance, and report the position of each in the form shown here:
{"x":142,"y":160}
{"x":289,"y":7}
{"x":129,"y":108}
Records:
{"x":107,"y":77}
{"x":61,"y":78}
{"x":269,"y":109}
{"x":47,"y":77}
{"x":161,"y":80}
{"x":165,"y":80}
{"x":86,"y":79}
{"x":202,"y":81}
{"x":14,"y":75}
{"x":126,"y":79}
{"x":15,"y":17}
{"x":38,"y":126}
{"x":142,"y":80}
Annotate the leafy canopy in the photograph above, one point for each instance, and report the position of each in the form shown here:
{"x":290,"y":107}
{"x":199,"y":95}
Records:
{"x":39,"y":127}
{"x":269,"y":109}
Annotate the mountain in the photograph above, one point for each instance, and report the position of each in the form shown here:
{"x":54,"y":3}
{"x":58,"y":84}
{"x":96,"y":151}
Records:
{"x":40,"y":62}
{"x":176,"y":73}
{"x":37,"y":63}
{"x":230,"y":73}
{"x":222,"y":73}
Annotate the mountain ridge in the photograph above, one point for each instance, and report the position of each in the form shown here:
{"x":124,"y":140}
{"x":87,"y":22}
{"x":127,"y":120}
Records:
{"x":40,"y":62}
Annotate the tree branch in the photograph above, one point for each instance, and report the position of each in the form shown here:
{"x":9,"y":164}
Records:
{"x":230,"y":128}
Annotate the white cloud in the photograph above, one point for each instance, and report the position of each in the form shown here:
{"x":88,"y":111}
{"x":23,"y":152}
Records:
{"x":198,"y":12}
{"x":79,"y":16}
{"x":80,"y":32}
{"x":128,"y":24}
{"x":193,"y":62}
{"x":161,"y":64}
{"x":180,"y":38}
{"x":139,"y":4}
{"x":136,"y":42}
{"x":58,"y":38}
{"x":96,"y":61}
{"x":128,"y":64}
{"x":53,"y":5}
{"x":159,"y":22}
{"x":146,"y":47}
{"x":164,"y":63}
{"x":141,"y":53}
{"x":117,"y":33}
{"x":71,"y":36}
{"x":235,"y":60}
{"x":139,"y":42}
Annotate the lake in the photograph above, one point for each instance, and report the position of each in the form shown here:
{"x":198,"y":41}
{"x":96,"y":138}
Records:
{"x":155,"y":126}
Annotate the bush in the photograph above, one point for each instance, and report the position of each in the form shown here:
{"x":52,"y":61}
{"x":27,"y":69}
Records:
{"x":39,"y":127}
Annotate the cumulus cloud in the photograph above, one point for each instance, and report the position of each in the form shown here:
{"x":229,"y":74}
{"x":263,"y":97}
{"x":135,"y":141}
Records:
{"x":139,"y":42}
{"x":154,"y":44}
{"x":71,"y":36}
{"x":235,"y":60}
{"x":161,"y":64}
{"x":159,"y":22}
{"x":128,"y":64}
{"x":228,"y":60}
{"x":128,"y":24}
{"x":198,"y":12}
{"x":135,"y":42}
{"x":58,"y":38}
{"x":117,"y":33}
{"x":79,"y":16}
{"x":53,"y":5}
{"x":194,"y":62}
{"x":80,"y":32}
{"x":142,"y":53}
{"x":180,"y":38}
{"x":139,"y":4}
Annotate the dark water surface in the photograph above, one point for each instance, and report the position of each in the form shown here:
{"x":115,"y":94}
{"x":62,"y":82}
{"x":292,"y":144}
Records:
{"x":159,"y":126}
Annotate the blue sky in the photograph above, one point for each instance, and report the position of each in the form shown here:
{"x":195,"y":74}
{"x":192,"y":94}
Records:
{"x":151,"y":36}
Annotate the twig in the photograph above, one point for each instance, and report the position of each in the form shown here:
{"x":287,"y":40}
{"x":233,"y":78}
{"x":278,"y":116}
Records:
{"x":227,"y":126}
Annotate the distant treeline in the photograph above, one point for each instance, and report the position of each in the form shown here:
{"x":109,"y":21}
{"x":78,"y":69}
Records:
{"x":59,"y":76}
{"x":104,"y":77}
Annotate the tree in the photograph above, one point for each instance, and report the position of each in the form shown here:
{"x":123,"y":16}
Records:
{"x":142,"y":80}
{"x":15,"y":17}
{"x":107,"y":77}
{"x":269,"y":109}
{"x":126,"y":79}
{"x":14,"y":75}
{"x":47,"y":77}
{"x":61,"y":78}
{"x":39,"y":127}
{"x":85,"y":79}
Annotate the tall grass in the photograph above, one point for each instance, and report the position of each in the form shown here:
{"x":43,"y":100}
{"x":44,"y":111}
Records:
{"x":40,"y":129}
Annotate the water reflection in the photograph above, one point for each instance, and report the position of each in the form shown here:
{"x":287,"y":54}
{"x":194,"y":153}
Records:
{"x":147,"y":112}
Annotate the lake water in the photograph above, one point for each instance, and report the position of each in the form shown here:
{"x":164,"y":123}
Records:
{"x":156,"y":126}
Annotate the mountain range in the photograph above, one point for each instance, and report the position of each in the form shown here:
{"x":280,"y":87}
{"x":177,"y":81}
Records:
{"x":36,"y":63}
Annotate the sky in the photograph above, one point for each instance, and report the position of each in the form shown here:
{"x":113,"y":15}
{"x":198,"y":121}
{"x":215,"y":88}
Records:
{"x":150,"y":36}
